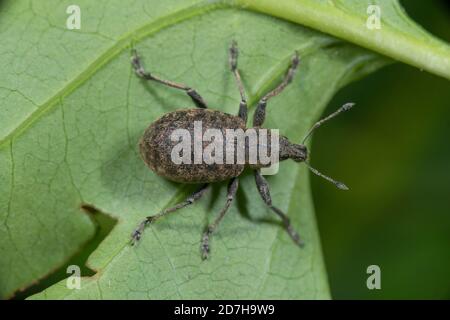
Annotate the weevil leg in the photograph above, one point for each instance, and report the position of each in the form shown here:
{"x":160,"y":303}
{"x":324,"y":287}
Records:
{"x":263,"y":188}
{"x":140,"y":71}
{"x":233,"y":59}
{"x":137,"y":233}
{"x":232,"y":188}
{"x":260,"y":113}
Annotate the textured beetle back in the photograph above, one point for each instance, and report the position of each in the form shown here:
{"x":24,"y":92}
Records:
{"x":156,"y":146}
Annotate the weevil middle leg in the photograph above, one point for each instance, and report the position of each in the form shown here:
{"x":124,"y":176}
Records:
{"x":232,"y":188}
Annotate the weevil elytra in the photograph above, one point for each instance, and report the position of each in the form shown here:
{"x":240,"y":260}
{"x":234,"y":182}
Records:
{"x":156,"y":147}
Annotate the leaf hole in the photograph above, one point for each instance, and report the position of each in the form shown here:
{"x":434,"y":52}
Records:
{"x":104,"y":224}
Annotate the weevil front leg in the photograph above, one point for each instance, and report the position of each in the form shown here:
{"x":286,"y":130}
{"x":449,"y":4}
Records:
{"x":260,"y":113}
{"x":140,"y":71}
{"x":233,"y":66}
{"x":137,"y":234}
{"x":263,"y":188}
{"x":232,"y":188}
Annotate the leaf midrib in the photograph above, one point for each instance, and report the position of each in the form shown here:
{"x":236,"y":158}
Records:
{"x":432,"y":55}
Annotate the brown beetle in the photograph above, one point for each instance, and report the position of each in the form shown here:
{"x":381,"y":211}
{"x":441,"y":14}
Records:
{"x":157,"y":147}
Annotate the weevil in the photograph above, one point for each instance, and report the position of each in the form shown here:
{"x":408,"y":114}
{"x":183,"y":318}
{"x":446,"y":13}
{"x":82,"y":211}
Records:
{"x":156,"y":147}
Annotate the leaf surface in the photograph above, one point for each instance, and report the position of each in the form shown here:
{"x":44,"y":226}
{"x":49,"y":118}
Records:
{"x":72,"y":112}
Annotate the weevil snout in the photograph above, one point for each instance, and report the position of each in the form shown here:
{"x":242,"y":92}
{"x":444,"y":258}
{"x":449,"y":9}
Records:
{"x":294,"y":151}
{"x":298,"y":152}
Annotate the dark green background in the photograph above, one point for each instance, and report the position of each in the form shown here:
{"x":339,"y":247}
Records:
{"x":393,"y":151}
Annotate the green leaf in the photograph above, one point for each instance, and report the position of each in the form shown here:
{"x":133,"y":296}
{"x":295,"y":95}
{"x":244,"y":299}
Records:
{"x":398,"y":36}
{"x":72,"y":112}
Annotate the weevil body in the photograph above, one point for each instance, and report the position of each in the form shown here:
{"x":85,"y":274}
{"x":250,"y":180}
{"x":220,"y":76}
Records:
{"x":156,"y":146}
{"x":159,"y":143}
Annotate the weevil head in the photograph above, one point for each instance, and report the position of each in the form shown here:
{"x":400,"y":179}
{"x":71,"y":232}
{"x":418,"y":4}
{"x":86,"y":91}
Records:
{"x":294,"y":151}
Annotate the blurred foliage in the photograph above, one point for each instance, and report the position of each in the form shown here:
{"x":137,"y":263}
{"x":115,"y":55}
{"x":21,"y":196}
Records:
{"x":394,"y":153}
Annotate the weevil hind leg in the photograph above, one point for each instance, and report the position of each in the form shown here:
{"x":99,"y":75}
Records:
{"x":137,"y":233}
{"x":232,"y":188}
{"x":263,"y":188}
{"x":140,"y":71}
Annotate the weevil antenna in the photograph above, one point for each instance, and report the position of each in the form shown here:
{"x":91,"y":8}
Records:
{"x":345,"y":107}
{"x":338,"y":184}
